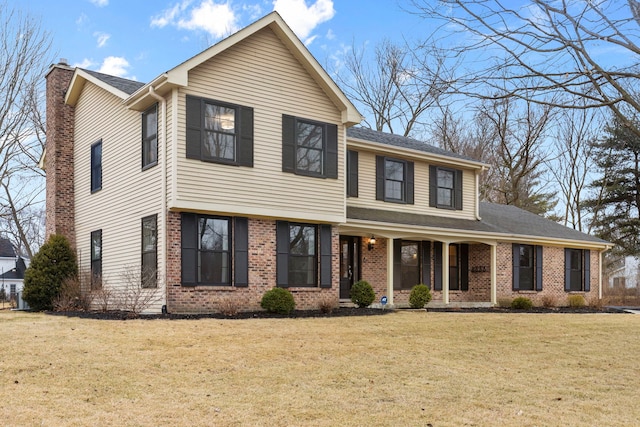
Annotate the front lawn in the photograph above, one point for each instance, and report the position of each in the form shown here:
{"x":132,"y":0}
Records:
{"x":407,"y":368}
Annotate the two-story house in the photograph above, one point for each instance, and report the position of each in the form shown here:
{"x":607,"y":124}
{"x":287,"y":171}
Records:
{"x":241,"y":169}
{"x":12,"y":268}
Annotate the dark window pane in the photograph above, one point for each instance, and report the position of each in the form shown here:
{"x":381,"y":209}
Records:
{"x":96,"y":166}
{"x":445,"y":187}
{"x":309,"y":147}
{"x":410,"y":265}
{"x":302,"y":270}
{"x":526,"y":270}
{"x":219,"y":145}
{"x":214,"y":234}
{"x":394,"y":172}
{"x":213,"y":267}
{"x":309,"y":135}
{"x":302,"y":240}
{"x":445,"y":196}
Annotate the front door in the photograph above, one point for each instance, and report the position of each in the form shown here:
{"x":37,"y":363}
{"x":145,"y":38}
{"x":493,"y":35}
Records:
{"x":349,"y":264}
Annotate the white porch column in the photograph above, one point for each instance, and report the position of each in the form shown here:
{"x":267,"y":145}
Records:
{"x":445,"y":272}
{"x":494,"y":274}
{"x":390,"y":273}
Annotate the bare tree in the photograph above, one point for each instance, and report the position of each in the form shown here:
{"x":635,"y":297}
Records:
{"x":398,"y":85}
{"x":543,"y":46}
{"x":24,"y":57}
{"x":575,"y":132}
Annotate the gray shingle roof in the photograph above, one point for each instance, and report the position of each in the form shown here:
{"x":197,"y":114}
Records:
{"x":499,"y":219}
{"x":125,"y":85}
{"x":401,"y":141}
{"x":17,"y":272}
{"x":6,"y":248}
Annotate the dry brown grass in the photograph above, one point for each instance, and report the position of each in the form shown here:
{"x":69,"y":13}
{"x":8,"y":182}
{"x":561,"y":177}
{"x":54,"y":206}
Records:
{"x":403,"y":369}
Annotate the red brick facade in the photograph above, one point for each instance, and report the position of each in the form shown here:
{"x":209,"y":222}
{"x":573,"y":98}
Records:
{"x":262,"y":275}
{"x":58,"y":163}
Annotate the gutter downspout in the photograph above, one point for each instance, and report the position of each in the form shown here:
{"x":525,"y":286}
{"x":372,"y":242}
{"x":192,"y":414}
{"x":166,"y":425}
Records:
{"x":477,"y":176}
{"x":163,"y":222}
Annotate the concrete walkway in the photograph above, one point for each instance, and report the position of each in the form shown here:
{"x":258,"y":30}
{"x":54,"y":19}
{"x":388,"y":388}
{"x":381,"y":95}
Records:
{"x":632,"y":310}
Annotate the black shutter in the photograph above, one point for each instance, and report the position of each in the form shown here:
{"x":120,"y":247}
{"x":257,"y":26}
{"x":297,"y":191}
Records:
{"x":241,"y":251}
{"x":464,"y":267}
{"x":538,"y":268}
{"x":331,"y":152}
{"x":380,"y":177}
{"x":352,"y":173}
{"x":282,"y":254}
{"x":567,"y":269}
{"x":433,"y":186}
{"x":288,"y":143}
{"x":426,"y":264}
{"x":587,"y":270}
{"x":410,"y":183}
{"x":245,"y":139}
{"x":194,"y":127}
{"x":437,"y":266}
{"x":325,"y":256}
{"x":457,"y":189}
{"x":397,"y":263}
{"x":189,"y":256}
{"x":515,"y":261}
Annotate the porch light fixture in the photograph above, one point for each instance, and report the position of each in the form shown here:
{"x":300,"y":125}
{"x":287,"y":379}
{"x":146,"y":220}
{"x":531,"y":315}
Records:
{"x":372,"y":242}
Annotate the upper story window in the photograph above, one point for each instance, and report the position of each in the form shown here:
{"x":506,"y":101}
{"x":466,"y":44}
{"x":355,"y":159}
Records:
{"x":96,"y":166}
{"x":394,"y":180}
{"x":352,"y":173}
{"x":577,"y":270}
{"x":219,"y":132}
{"x":445,"y":188}
{"x":150,"y":137}
{"x":309,"y":147}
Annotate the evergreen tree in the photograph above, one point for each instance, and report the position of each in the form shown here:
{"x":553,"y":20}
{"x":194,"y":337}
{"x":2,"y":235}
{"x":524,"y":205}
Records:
{"x":616,"y":204}
{"x":50,"y":266}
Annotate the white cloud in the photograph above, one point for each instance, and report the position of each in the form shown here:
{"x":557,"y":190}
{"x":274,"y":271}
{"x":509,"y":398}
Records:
{"x":254,"y":10}
{"x":217,"y":19}
{"x":101,"y":38}
{"x":86,"y":63}
{"x":115,"y":66}
{"x":302,"y":19}
{"x":100,"y":3}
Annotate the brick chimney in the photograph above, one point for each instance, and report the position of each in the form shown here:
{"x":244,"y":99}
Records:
{"x":58,"y":162}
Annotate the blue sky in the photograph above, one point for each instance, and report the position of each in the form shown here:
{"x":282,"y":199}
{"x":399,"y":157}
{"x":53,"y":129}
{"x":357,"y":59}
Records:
{"x":140,"y":39}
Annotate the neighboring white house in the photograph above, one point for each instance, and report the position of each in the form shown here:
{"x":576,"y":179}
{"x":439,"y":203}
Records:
{"x":623,"y":272}
{"x":12,"y":268}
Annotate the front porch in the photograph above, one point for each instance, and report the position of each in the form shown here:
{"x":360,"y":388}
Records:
{"x":459,"y":272}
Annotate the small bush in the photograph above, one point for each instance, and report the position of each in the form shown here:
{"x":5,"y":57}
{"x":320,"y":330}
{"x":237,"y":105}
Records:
{"x":362,"y":294}
{"x":420,"y":296}
{"x":328,"y":304}
{"x":278,"y":300}
{"x":504,"y":302}
{"x":576,"y":301}
{"x":72,"y":297}
{"x":521,"y":303}
{"x":549,"y":301}
{"x":228,"y":307}
{"x":54,"y":262}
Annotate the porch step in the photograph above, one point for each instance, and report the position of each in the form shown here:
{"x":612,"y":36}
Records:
{"x":346,"y":303}
{"x":440,"y":304}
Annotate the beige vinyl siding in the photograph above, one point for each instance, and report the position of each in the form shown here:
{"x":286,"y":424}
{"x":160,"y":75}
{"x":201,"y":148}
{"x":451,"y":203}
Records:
{"x":261,"y":73}
{"x":367,"y":189}
{"x":127,"y":195}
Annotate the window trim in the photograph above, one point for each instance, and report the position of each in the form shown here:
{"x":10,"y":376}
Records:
{"x":456,"y":200}
{"x":229,"y":251}
{"x":585,"y":270}
{"x":439,"y":204}
{"x":407,"y":183}
{"x":96,"y":168}
{"x":315,"y":261}
{"x":537,"y":278}
{"x":146,"y":139}
{"x":143,"y":275}
{"x":96,"y":262}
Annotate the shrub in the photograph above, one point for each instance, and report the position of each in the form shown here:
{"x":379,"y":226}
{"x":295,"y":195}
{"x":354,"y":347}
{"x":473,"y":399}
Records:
{"x":420,"y":296}
{"x":228,"y":306}
{"x":504,"y":302}
{"x":549,"y":301}
{"x":521,"y":303}
{"x":327,"y":304}
{"x":54,"y":262}
{"x":362,"y":294}
{"x":71,"y":296}
{"x":576,"y":301}
{"x":278,"y":300}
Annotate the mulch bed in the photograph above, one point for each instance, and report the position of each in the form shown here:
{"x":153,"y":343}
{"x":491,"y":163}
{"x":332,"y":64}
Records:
{"x":301,"y":314}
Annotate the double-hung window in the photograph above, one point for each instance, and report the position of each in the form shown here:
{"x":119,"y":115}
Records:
{"x":96,"y":166}
{"x":214,"y":251}
{"x":150,"y":137}
{"x":527,"y":267}
{"x":219,"y":132}
{"x":577,"y":270}
{"x":445,"y":188}
{"x":303,"y":255}
{"x":309,"y":147}
{"x":149,"y":270}
{"x":96,"y":259}
{"x":394,"y":180}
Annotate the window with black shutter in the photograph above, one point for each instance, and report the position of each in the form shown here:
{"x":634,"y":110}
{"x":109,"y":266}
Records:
{"x":352,"y":173}
{"x":309,"y":147}
{"x":394,"y":180}
{"x":219,"y":132}
{"x":445,"y":188}
{"x":577,"y":270}
{"x":527,"y":267}
{"x":303,"y":255}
